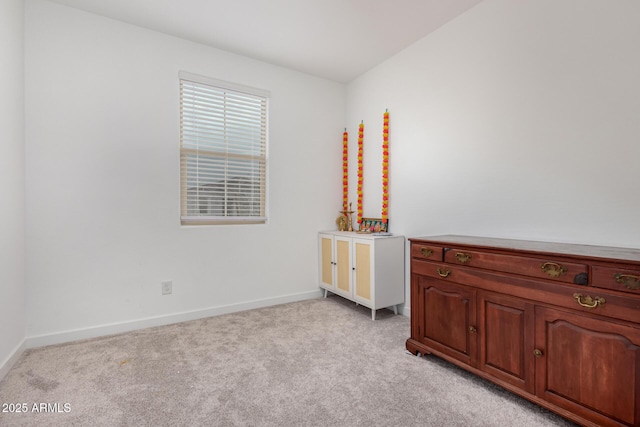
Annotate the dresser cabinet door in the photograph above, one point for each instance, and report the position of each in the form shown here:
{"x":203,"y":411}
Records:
{"x":589,"y":366}
{"x":447,"y":318}
{"x":506,"y":339}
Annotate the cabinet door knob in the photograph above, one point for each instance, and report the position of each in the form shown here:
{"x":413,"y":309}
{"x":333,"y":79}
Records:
{"x":537,"y":353}
{"x":443,"y":273}
{"x":472,"y":329}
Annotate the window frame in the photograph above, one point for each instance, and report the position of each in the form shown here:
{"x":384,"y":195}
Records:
{"x":237,"y":89}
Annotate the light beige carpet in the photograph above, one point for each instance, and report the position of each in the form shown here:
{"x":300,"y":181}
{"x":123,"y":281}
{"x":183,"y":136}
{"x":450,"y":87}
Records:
{"x":320,"y":362}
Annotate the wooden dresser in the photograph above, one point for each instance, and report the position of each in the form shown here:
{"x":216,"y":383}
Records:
{"x":558,"y":324}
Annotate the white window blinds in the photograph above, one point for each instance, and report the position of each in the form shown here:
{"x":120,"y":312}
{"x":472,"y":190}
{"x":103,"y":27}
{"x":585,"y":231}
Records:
{"x":223,"y":152}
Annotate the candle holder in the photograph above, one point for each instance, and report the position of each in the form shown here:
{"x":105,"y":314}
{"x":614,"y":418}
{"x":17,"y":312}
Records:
{"x":348,"y":216}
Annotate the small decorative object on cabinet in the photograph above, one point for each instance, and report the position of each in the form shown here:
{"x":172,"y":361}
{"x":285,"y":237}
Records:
{"x":367,"y":269}
{"x":342,"y":222}
{"x":558,"y":324}
{"x":374,"y":225}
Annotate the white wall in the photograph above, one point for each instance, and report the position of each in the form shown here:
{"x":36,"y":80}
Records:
{"x":12,"y":234}
{"x":103,"y":178}
{"x":515,"y":120}
{"x":518,"y":119}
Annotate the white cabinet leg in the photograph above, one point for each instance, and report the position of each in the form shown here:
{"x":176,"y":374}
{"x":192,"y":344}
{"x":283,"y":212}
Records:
{"x":395,"y":310}
{"x":373,"y":314}
{"x":325,"y":293}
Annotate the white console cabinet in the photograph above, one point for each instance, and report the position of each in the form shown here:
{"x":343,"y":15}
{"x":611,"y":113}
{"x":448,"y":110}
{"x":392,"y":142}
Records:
{"x":365,"y":268}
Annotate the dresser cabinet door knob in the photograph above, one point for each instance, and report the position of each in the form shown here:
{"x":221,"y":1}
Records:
{"x":537,"y":353}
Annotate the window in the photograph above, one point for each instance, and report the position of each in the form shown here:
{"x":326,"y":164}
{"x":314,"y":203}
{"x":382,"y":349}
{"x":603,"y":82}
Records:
{"x":223,"y":152}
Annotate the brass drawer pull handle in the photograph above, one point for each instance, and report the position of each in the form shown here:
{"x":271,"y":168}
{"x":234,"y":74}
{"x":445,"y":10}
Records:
{"x":553,"y":269}
{"x":444,"y":273}
{"x":629,"y":281}
{"x":472,"y":329}
{"x":589,"y":302}
{"x":426,"y":252}
{"x":537,"y":353}
{"x":463,"y":258}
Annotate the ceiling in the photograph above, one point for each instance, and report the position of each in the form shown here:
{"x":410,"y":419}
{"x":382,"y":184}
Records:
{"x":333,"y":39}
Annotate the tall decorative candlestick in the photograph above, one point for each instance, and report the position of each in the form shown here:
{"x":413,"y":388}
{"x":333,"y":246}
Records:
{"x":345,"y":169}
{"x":345,"y":220}
{"x":385,"y":167}
{"x":360,"y":177}
{"x":350,"y":223}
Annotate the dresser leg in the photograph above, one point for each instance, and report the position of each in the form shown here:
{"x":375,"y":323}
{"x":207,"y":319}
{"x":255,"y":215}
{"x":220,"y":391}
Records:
{"x":325,"y":293}
{"x":373,"y":314}
{"x":395,"y":310}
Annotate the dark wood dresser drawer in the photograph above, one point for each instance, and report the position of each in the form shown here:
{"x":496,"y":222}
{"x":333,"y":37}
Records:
{"x":619,"y":279}
{"x":426,"y":251}
{"x":436,"y":270}
{"x":543,"y":268}
{"x":593,"y":301}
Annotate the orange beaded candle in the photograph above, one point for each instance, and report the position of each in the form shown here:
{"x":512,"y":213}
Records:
{"x":385,"y":167}
{"x":360,"y":180}
{"x":345,"y":170}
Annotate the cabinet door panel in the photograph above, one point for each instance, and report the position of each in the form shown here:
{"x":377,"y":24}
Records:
{"x":343,"y":267}
{"x":589,"y":366}
{"x":363,"y":270}
{"x":506,"y":339}
{"x":448,"y":311}
{"x":326,"y":261}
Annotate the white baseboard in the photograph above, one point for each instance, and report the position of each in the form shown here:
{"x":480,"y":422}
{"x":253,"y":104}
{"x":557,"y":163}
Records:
{"x":11,"y":360}
{"x":406,"y":311}
{"x":116,"y":328}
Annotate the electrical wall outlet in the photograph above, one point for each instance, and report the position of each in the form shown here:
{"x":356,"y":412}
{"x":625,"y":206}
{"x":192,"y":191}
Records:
{"x":167,"y":287}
